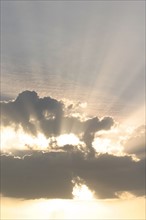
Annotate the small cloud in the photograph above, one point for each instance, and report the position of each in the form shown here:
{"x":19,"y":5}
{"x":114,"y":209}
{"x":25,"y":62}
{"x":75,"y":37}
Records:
{"x":136,"y":142}
{"x":125,"y":195}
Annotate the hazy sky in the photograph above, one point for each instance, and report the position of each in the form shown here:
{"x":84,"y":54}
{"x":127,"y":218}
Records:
{"x":66,"y":49}
{"x":73,"y":109}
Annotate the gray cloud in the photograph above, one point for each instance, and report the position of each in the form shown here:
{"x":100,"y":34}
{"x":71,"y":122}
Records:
{"x":50,"y":175}
{"x":32,"y":174}
{"x":47,"y":115}
{"x":136,"y":143}
{"x":29,"y":108}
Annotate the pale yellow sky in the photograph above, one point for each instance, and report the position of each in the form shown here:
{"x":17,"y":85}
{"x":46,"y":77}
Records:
{"x":125,"y":208}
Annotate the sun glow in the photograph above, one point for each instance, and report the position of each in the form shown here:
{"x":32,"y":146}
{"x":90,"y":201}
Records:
{"x":82,"y":192}
{"x":64,"y":139}
{"x":107,"y":145}
{"x":18,"y":139}
{"x":73,"y":209}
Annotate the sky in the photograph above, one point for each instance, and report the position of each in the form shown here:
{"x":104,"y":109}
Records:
{"x":73,"y":109}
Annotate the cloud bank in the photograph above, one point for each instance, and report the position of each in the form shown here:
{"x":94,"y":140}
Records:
{"x":50,"y":175}
{"x":32,"y":174}
{"x":47,"y":115}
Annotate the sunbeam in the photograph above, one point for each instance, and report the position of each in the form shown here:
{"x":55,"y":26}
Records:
{"x":72,"y":110}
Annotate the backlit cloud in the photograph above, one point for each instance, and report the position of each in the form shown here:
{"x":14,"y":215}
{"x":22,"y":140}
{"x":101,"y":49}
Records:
{"x":50,"y":175}
{"x":59,"y":148}
{"x":47,"y":115}
{"x":136,"y":143}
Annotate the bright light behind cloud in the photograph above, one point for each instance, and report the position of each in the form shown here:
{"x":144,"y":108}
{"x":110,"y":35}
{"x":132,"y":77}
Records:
{"x":18,"y":139}
{"x":82,"y":192}
{"x":102,"y":145}
{"x":132,"y":208}
{"x":111,"y":141}
{"x":64,"y":139}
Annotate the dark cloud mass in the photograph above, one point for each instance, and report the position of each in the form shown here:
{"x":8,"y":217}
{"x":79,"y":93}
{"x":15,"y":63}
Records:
{"x":50,"y":175}
{"x":34,"y":174}
{"x":47,"y":115}
{"x":28,"y":109}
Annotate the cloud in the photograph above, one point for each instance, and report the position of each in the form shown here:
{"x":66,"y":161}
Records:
{"x":34,"y":174}
{"x":50,"y":175}
{"x":47,"y":115}
{"x":136,"y":143}
{"x":29,"y":109}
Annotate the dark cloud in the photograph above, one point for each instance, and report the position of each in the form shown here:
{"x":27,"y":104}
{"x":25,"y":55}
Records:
{"x":93,"y":125}
{"x":50,"y":175}
{"x":47,"y":115}
{"x":33,"y":174}
{"x":28,"y":109}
